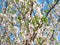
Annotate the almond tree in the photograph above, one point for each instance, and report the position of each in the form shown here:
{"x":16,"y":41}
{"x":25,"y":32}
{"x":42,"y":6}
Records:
{"x":23,"y":23}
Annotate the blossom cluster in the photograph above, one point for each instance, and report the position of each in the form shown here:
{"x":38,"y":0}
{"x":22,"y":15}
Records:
{"x":23,"y":23}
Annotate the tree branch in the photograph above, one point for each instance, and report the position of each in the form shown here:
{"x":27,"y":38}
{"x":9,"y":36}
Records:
{"x":34,"y":34}
{"x":52,"y":7}
{"x":31,"y":7}
{"x":52,"y":36}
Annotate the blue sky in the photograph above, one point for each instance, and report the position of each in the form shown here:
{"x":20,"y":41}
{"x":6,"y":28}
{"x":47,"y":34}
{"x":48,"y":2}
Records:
{"x":1,"y":6}
{"x":40,"y":1}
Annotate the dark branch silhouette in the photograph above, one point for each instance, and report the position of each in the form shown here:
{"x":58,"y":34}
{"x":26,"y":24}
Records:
{"x":52,"y":7}
{"x":31,"y":7}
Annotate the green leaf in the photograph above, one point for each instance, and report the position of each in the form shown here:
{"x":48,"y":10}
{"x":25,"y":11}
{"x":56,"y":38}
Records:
{"x":57,"y":43}
{"x":54,"y":38}
{"x":21,"y":33}
{"x":2,"y":40}
{"x":10,"y":6}
{"x":51,"y":31}
{"x":36,"y":18}
{"x":27,"y":25}
{"x":35,"y":30}
{"x":8,"y":39}
{"x":34,"y":21}
{"x":27,"y":22}
{"x":44,"y":19}
{"x":17,"y":0}
{"x":33,"y":0}
{"x":39,"y":40}
{"x":49,"y":5}
{"x":46,"y":10}
{"x":19,"y":18}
